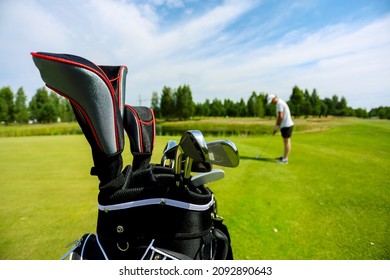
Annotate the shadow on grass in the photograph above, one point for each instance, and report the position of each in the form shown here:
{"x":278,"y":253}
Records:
{"x":273,"y":160}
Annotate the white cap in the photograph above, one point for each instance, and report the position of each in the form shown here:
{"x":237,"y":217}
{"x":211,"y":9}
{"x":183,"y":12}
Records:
{"x":270,"y":98}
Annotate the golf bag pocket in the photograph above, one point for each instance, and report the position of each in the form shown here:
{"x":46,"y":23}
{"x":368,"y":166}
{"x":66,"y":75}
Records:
{"x":153,"y":218}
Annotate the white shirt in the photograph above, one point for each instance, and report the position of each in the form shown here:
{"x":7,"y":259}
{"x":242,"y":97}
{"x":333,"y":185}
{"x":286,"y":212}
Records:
{"x":282,"y":106}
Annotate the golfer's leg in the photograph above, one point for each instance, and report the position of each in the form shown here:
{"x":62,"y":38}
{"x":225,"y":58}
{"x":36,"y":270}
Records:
{"x":287,"y":147}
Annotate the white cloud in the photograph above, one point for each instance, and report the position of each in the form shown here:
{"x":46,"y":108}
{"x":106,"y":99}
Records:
{"x":202,"y":51}
{"x":336,"y":60}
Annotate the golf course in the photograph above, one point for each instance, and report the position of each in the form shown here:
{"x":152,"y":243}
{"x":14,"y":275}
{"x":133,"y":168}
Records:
{"x":330,"y":202}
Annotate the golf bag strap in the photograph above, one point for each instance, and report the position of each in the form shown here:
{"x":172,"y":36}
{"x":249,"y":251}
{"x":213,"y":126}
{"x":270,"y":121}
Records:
{"x":139,"y":123}
{"x":87,"y":247}
{"x":223,"y":248}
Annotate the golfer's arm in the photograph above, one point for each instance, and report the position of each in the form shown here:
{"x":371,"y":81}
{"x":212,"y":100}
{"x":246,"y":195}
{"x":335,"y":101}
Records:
{"x":279,"y":118}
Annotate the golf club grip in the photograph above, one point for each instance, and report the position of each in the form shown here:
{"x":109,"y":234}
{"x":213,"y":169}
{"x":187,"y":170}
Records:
{"x":139,"y":123}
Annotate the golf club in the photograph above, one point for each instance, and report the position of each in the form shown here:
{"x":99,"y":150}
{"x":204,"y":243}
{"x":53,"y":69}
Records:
{"x":223,"y":153}
{"x":169,"y":153}
{"x":168,"y":159}
{"x":266,"y":146}
{"x":200,"y":154}
{"x":204,"y":178}
{"x":194,"y":146}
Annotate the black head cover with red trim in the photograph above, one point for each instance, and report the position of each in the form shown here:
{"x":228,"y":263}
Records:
{"x":98,"y":106}
{"x":117,"y":77}
{"x":139,"y":123}
{"x":90,"y":92}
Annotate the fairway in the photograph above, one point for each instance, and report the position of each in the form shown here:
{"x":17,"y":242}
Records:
{"x":331,"y":202}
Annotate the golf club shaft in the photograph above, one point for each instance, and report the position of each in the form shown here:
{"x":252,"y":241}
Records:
{"x":267,"y":144}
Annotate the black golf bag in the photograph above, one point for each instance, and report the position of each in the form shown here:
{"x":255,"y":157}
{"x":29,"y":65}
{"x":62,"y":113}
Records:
{"x":142,"y":211}
{"x":144,"y":215}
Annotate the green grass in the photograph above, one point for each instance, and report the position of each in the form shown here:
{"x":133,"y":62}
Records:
{"x":209,"y":126}
{"x":242,"y":126}
{"x":39,"y":129}
{"x":332,"y":201}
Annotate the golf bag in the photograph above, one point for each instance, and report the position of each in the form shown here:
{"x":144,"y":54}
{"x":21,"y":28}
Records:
{"x":142,"y":212}
{"x":144,"y":215}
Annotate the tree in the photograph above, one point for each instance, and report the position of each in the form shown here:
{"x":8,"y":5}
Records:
{"x":380,"y":112}
{"x":21,"y":110}
{"x":256,"y":105}
{"x":206,"y":108}
{"x":296,"y":103}
{"x":184,"y":106}
{"x":216,"y":108}
{"x":270,"y":110}
{"x":231,"y":109}
{"x":315,"y":103}
{"x":66,"y":113}
{"x":251,"y":104}
{"x":7,"y":109}
{"x":155,"y":104}
{"x":324,"y":109}
{"x":342,"y":107}
{"x":167,"y":106}
{"x":361,"y":113}
{"x":334,"y":106}
{"x":54,"y":101}
{"x":202,"y":109}
{"x":242,"y":109}
{"x":307,"y":109}
{"x":260,"y":105}
{"x":42,"y":107}
{"x":45,"y":107}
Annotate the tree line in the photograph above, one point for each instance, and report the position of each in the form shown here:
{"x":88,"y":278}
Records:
{"x":49,"y":107}
{"x":44,"y":107}
{"x":178,"y":104}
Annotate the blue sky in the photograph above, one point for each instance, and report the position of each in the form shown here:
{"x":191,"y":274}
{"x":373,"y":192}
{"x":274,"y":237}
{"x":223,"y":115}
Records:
{"x":222,"y":49}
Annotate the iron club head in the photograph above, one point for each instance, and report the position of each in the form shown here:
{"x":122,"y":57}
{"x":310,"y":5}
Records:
{"x":204,"y":178}
{"x":223,"y":153}
{"x":169,"y":153}
{"x":194,"y":146}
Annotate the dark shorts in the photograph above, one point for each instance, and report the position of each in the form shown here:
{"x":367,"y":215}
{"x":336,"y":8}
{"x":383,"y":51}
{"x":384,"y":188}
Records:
{"x":286,"y":131}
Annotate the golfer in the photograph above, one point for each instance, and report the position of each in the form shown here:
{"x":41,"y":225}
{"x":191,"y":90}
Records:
{"x":284,"y":123}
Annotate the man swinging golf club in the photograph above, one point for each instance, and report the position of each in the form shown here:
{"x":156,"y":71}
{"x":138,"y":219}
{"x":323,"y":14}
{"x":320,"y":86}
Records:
{"x":283,"y":122}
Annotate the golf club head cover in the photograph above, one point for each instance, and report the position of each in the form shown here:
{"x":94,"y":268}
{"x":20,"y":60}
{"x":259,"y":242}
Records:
{"x":95,"y":102}
{"x":140,"y":126}
{"x":117,"y":76}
